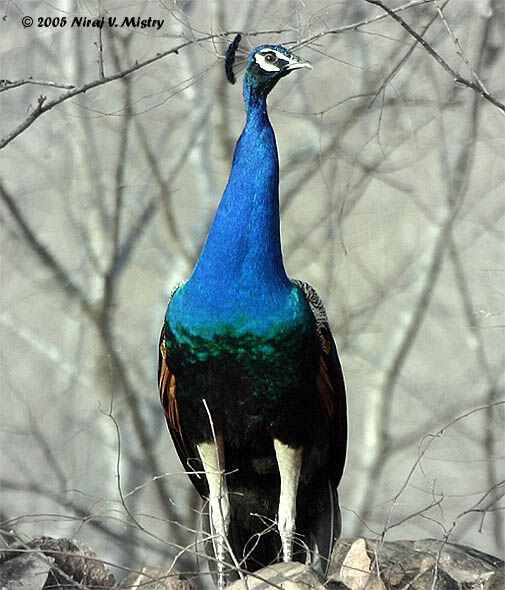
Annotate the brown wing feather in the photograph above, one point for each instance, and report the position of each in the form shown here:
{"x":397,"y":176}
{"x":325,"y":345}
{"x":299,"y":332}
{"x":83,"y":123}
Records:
{"x":325,"y":388}
{"x":168,"y":391}
{"x":167,"y":383}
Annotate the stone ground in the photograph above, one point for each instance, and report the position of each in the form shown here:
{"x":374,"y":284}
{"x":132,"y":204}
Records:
{"x":357,"y":564}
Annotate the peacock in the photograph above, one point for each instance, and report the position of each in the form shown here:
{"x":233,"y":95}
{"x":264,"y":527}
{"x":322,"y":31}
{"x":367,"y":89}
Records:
{"x":249,"y":375}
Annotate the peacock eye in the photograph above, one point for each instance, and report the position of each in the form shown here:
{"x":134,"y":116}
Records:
{"x":270,"y":57}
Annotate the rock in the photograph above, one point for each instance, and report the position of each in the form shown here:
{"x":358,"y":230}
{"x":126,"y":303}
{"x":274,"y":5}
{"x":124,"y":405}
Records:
{"x":73,"y":562}
{"x":465,"y":564}
{"x":429,"y":578}
{"x":45,"y":563}
{"x":497,"y":580}
{"x":289,"y":576}
{"x":28,"y":571}
{"x":156,"y":578}
{"x":411,"y":564}
{"x":357,"y":570}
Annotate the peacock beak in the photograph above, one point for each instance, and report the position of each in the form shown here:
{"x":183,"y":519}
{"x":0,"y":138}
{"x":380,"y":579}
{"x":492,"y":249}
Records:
{"x":295,"y":63}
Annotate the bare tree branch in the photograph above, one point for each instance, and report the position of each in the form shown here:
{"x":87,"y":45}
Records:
{"x":44,"y":107}
{"x":48,"y":260}
{"x":456,"y":76}
{"x":399,"y":65}
{"x":358,"y":24}
{"x":459,"y":50}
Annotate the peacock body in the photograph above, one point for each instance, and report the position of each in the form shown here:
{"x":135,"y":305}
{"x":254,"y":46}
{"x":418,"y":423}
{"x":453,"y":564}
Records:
{"x":249,"y":373}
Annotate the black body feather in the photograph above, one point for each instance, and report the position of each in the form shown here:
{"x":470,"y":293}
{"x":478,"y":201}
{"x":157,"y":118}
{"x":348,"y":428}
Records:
{"x":313,"y":416}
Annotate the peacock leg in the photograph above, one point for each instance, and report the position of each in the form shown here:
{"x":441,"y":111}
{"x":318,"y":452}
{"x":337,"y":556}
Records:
{"x":289,"y":460}
{"x":212,"y":456}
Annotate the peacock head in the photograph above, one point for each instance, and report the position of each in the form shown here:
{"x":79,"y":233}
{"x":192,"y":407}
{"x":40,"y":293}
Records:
{"x":266,"y":65}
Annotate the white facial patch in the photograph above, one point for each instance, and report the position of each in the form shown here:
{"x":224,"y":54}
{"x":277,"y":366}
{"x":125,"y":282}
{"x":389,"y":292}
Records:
{"x":267,"y":63}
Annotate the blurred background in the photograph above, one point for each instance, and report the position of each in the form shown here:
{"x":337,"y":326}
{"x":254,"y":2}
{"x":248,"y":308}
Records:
{"x":392,"y":184}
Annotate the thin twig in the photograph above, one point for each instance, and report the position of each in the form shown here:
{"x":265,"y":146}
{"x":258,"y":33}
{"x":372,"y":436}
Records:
{"x":80,"y":514}
{"x":456,"y":76}
{"x":409,"y":52}
{"x":76,"y":91}
{"x":165,"y":186}
{"x":459,"y":50}
{"x":424,"y":446}
{"x":10,"y":84}
{"x":358,"y":24}
{"x":99,"y":43}
{"x":48,"y":260}
{"x":133,"y":519}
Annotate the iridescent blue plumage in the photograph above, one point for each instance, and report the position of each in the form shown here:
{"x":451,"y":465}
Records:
{"x":242,"y":256}
{"x":247,"y":361}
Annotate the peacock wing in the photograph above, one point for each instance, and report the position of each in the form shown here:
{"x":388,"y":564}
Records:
{"x":167,"y":386}
{"x":331,"y":389}
{"x":329,"y":382}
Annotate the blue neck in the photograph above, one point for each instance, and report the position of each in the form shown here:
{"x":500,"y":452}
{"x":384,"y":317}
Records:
{"x":243,"y":247}
{"x":239,"y":283}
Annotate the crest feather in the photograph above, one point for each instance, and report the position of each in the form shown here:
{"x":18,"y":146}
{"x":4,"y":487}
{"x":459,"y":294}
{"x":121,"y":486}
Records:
{"x":230,"y":58}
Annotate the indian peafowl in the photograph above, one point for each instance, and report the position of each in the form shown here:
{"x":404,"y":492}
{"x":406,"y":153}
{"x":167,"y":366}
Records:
{"x":249,"y":375}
